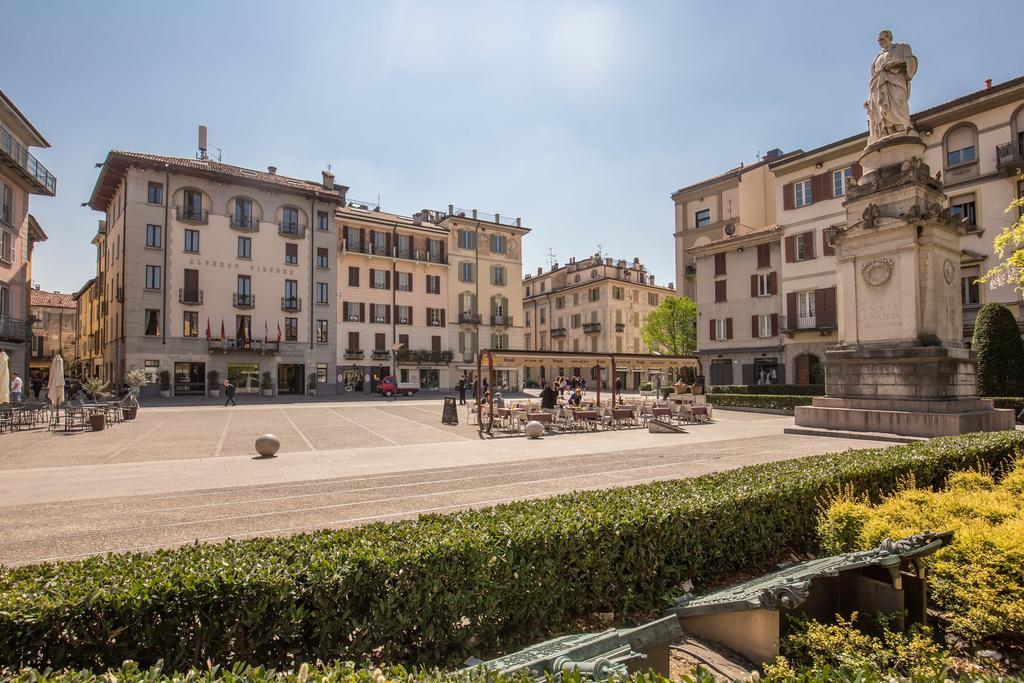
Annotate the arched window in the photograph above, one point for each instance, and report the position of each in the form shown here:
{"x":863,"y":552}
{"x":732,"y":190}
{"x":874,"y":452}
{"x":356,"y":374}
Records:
{"x":961,"y":146}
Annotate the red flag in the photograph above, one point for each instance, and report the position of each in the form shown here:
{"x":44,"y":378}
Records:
{"x":209,"y":335}
{"x":279,"y":332}
{"x":266,"y":333}
{"x":222,"y":328}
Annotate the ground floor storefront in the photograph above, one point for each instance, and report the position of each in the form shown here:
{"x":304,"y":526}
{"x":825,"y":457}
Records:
{"x":745,"y":366}
{"x":17,"y":359}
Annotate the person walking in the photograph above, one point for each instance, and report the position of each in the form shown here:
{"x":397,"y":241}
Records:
{"x":618,"y":389}
{"x":461,"y":386}
{"x":229,"y":393}
{"x":16,"y":386}
{"x":37,"y":385}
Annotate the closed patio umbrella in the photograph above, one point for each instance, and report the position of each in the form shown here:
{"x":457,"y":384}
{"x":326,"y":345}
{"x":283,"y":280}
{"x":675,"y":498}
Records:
{"x":55,"y":389}
{"x":5,"y":379}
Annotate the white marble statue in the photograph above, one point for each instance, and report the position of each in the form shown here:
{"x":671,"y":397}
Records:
{"x":888,"y":103}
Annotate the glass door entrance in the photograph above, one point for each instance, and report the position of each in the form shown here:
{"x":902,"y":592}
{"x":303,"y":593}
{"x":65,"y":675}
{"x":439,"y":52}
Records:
{"x":291,"y":378}
{"x":189,"y":378}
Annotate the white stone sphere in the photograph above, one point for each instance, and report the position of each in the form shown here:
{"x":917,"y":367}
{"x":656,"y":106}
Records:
{"x":267,"y":445}
{"x":534,"y":429}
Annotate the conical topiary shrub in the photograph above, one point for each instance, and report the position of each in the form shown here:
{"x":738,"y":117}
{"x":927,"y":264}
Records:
{"x":1000,"y":351}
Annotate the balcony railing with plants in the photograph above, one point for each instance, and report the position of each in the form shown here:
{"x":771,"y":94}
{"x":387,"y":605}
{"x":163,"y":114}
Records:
{"x":590,"y":328}
{"x":192,"y":214}
{"x":558,"y":332}
{"x":291,"y":303}
{"x":26,"y":164}
{"x":788,"y":323}
{"x":620,"y":327}
{"x":14,"y":329}
{"x":380,"y":354}
{"x":467,"y":318}
{"x":501,"y":320}
{"x":425,"y":357}
{"x":291,"y":230}
{"x":245,"y":223}
{"x":354,"y":354}
{"x":190,"y":296}
{"x":243,"y":300}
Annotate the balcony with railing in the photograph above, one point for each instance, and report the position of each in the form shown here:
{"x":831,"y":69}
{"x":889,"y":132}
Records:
{"x":291,"y":303}
{"x":354,"y":354}
{"x":380,"y":354}
{"x":1010,"y":158}
{"x":16,"y":156}
{"x":501,"y":320}
{"x":558,"y":332}
{"x":468,"y":318}
{"x":192,"y":214}
{"x":591,"y":328}
{"x":790,"y":324}
{"x":690,"y":269}
{"x":293,"y":230}
{"x":244,"y":345}
{"x":421,"y":255}
{"x":245,"y":224}
{"x":190,"y":296}
{"x":14,"y":329}
{"x":620,"y":327}
{"x":242,"y":300}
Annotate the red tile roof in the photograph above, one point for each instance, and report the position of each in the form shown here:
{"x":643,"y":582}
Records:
{"x":52,"y":299}
{"x":118,"y":161}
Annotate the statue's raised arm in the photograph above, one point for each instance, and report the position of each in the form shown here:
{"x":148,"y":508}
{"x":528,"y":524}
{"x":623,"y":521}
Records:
{"x":888,"y":103}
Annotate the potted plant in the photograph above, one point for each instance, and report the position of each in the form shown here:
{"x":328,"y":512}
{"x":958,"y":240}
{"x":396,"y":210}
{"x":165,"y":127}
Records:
{"x":267,"y":385}
{"x":212,"y":383}
{"x":135,"y":379}
{"x":666,"y":391}
{"x":311,"y":384}
{"x":165,"y":383}
{"x":94,"y":386}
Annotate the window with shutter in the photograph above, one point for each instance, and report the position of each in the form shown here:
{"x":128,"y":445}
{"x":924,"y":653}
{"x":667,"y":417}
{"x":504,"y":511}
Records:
{"x":728,"y":328}
{"x":719,"y":290}
{"x":791,"y":249}
{"x":787,"y":196}
{"x":764,"y":256}
{"x":720,"y":264}
{"x":960,"y":146}
{"x":826,"y":247}
{"x":712,"y":328}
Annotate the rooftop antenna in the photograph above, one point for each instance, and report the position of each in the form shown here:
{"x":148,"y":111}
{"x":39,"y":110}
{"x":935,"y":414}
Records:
{"x":202,"y":143}
{"x":758,"y":153}
{"x":218,"y":153}
{"x":600,"y":252}
{"x":551,"y":259}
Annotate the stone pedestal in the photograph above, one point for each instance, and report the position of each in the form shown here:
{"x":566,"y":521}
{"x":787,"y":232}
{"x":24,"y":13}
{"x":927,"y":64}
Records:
{"x":900,"y":368}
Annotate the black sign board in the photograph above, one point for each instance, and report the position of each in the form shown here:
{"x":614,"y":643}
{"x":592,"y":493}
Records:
{"x":450,"y":416}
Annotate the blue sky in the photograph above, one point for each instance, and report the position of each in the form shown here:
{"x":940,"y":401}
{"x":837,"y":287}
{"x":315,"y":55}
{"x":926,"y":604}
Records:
{"x":580,"y":117}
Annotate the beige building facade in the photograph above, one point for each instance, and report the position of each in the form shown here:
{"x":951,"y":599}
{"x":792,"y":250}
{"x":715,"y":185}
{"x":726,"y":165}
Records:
{"x":976,"y":142}
{"x":595,"y":305}
{"x":21,"y":176}
{"x":203,"y":266}
{"x":88,"y":352}
{"x":54,"y":329}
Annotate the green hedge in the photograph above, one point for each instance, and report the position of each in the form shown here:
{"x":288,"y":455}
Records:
{"x":1015,"y":403}
{"x":770,"y":389}
{"x":759,"y":401}
{"x":436,"y":589}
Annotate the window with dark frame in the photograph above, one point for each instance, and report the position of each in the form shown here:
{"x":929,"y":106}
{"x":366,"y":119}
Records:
{"x":321,"y":257}
{"x":291,"y":253}
{"x":702,"y":218}
{"x":353,"y":342}
{"x":291,"y":329}
{"x":322,"y":334}
{"x":153,"y":277}
{"x":192,"y":241}
{"x":433,"y":284}
{"x":154,"y":236}
{"x":353,"y":276}
{"x":190,"y":324}
{"x":322,"y":293}
{"x":323,"y":220}
{"x":155,"y":193}
{"x":244,"y":247}
{"x":152,"y":322}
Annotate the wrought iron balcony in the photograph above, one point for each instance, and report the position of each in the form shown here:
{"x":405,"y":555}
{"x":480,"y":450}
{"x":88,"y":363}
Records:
{"x":245,"y":224}
{"x":14,"y":329}
{"x":190,"y":296}
{"x":192,"y":214}
{"x":591,"y":328}
{"x":244,"y":345}
{"x":17,"y":156}
{"x":421,"y":255}
{"x":501,"y":320}
{"x":380,"y":354}
{"x":558,"y":332}
{"x":620,"y":327}
{"x":1010,"y":158}
{"x":240,"y":300}
{"x":354,"y":354}
{"x":293,"y":230}
{"x":291,"y":303}
{"x":690,"y":269}
{"x":790,"y":324}
{"x":466,"y":318}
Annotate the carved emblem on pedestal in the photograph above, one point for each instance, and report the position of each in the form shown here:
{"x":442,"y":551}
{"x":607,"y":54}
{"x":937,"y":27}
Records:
{"x":948,"y":270}
{"x":871,"y":215}
{"x":877,"y":271}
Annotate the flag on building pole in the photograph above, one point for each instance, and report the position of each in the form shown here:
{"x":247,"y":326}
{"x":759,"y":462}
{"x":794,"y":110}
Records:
{"x":222,"y":336}
{"x":209,"y":334}
{"x":266,"y":332}
{"x":279,"y":332}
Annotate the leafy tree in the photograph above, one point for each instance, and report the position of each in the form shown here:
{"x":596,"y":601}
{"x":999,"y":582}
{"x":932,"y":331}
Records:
{"x":1009,"y":246}
{"x":1000,"y":352}
{"x":672,"y":327}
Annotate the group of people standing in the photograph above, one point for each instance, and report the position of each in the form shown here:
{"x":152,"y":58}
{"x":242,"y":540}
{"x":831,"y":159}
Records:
{"x":575,"y":387}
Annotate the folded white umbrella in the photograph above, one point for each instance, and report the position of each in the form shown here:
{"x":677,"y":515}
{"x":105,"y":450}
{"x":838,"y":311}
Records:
{"x":5,"y":379}
{"x":56,"y":386}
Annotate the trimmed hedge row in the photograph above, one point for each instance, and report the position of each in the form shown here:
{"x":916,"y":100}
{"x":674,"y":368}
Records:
{"x":436,"y":589}
{"x":1016,"y":403}
{"x":759,"y":401}
{"x":770,"y":389}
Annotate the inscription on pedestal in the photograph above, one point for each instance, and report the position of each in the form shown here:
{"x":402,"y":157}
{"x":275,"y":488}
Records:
{"x":880,"y":317}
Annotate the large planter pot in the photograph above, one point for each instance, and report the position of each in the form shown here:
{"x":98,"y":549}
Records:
{"x":311,"y":392}
{"x":165,"y":393}
{"x":214,"y":393}
{"x":128,"y":413}
{"x":697,"y":389}
{"x":98,"y":422}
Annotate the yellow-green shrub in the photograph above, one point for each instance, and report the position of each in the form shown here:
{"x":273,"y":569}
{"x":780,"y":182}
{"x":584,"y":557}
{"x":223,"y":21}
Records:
{"x":978,"y":581}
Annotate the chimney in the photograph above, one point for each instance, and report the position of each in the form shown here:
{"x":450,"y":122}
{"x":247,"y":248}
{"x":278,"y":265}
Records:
{"x":272,"y":170}
{"x":328,"y":180}
{"x":988,"y":84}
{"x":202,"y":142}
{"x":652,"y":280}
{"x":540,"y":270}
{"x":671,"y":285}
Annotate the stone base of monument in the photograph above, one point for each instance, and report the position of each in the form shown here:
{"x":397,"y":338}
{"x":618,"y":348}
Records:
{"x":922,"y":391}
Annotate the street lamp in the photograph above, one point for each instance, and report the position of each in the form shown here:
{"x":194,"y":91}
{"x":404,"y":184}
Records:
{"x":395,"y":348}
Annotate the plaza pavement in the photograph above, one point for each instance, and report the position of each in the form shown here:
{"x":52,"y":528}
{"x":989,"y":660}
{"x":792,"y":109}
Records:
{"x":183,"y":473}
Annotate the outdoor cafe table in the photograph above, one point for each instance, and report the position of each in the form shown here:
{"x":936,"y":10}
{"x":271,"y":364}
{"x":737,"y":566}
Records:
{"x":662,"y":412}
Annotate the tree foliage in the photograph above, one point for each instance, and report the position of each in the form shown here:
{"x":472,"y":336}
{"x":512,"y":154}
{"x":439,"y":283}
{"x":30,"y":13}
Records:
{"x":1009,"y":246}
{"x":672,"y":327}
{"x":1000,"y":352}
